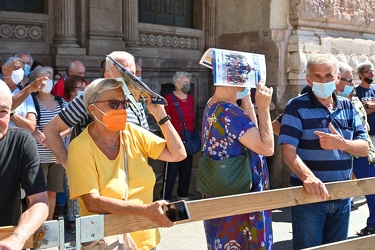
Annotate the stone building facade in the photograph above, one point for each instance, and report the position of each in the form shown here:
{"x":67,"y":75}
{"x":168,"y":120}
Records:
{"x":286,"y":31}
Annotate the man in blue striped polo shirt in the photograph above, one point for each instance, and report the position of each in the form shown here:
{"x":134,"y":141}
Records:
{"x":320,"y":133}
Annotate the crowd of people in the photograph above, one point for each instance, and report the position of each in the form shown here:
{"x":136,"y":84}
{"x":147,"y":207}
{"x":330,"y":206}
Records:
{"x":85,"y":145}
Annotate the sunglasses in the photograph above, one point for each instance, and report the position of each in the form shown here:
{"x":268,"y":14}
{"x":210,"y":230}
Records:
{"x":349,"y":80}
{"x":114,"y":104}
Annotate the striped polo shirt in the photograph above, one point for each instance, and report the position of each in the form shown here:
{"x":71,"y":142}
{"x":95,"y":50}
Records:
{"x":304,"y":115}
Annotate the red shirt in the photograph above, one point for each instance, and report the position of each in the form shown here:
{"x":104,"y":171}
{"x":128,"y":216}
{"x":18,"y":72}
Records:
{"x":58,"y":89}
{"x":187,"y":110}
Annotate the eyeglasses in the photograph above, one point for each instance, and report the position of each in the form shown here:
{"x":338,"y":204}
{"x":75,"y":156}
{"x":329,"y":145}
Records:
{"x":114,"y":104}
{"x":349,"y":80}
{"x":369,"y":71}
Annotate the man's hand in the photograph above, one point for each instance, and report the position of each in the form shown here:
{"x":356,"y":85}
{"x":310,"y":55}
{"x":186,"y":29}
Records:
{"x":330,"y":141}
{"x":38,"y":84}
{"x":315,"y":186}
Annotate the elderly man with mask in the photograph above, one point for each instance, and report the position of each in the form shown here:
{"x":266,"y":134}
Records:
{"x":320,"y":133}
{"x":24,"y":115}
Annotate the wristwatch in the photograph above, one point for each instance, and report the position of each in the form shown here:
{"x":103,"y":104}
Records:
{"x":164,"y":120}
{"x":12,"y":113}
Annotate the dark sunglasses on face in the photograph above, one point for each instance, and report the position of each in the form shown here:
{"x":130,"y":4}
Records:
{"x":114,"y":103}
{"x":349,"y":80}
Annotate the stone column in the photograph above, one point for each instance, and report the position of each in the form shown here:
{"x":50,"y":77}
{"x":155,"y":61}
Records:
{"x":211,"y":25}
{"x":65,"y":24}
{"x":131,"y":32}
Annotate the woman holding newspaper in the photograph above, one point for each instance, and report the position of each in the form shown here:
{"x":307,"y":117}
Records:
{"x":113,"y":174}
{"x":229,"y":131}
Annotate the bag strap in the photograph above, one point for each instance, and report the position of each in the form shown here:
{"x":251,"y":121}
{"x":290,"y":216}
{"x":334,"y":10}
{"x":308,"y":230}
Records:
{"x":213,"y":119}
{"x":177,"y":105}
{"x":126,"y":167}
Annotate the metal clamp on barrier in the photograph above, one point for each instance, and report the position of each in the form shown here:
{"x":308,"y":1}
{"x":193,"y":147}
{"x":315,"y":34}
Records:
{"x":50,"y":234}
{"x":89,"y":228}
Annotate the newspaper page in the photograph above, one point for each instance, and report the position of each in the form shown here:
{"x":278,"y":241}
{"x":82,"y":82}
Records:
{"x":235,"y":68}
{"x":137,"y":88}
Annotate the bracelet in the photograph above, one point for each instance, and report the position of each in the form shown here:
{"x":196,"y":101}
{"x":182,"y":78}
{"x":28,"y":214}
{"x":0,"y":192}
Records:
{"x":164,"y":120}
{"x":18,"y":235}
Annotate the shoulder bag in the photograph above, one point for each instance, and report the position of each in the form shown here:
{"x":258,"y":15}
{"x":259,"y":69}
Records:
{"x":224,"y":177}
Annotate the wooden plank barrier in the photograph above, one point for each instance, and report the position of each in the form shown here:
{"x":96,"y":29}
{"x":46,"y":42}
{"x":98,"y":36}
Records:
{"x":236,"y":204}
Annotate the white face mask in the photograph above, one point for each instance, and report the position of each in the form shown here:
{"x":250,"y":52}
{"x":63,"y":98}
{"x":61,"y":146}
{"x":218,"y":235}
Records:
{"x":48,"y":87}
{"x":17,"y":76}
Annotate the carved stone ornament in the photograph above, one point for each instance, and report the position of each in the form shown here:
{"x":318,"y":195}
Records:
{"x":319,"y":13}
{"x":21,"y":32}
{"x":169,"y":41}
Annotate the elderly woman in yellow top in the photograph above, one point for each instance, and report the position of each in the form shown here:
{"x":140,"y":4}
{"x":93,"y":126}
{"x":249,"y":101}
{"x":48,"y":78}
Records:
{"x":107,"y":163}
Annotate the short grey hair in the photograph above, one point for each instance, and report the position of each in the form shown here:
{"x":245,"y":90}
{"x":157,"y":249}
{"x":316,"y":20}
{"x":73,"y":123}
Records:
{"x":344,"y":67}
{"x":179,"y":75}
{"x":5,"y":93}
{"x":38,"y":71}
{"x":25,"y":53}
{"x":361,"y":66}
{"x":322,"y":59}
{"x":12,"y":59}
{"x":94,"y":90}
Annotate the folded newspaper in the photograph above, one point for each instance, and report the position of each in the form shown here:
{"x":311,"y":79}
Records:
{"x":137,"y":88}
{"x":235,"y":68}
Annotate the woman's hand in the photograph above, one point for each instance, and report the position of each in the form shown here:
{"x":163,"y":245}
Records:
{"x":154,"y":212}
{"x":263,"y":95}
{"x":156,"y":110}
{"x":39,"y":136}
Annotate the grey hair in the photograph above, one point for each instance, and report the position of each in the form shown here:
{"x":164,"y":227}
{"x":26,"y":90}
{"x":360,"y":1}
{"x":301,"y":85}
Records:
{"x":109,"y":66}
{"x":94,"y":90}
{"x":25,"y":53}
{"x":179,"y":75}
{"x":361,"y":66}
{"x":5,"y":93}
{"x":321,"y":59}
{"x":12,"y":59}
{"x":38,"y":71}
{"x":344,"y":67}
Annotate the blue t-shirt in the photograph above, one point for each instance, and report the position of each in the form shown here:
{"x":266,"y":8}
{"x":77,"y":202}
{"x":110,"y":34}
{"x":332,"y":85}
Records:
{"x":365,"y":94}
{"x":304,"y":115}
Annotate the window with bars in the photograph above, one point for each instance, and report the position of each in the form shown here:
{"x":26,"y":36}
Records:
{"x":33,"y":6}
{"x":178,"y":13}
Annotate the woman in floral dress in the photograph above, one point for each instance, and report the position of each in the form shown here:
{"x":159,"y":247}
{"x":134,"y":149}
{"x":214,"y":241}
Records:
{"x":226,"y":129}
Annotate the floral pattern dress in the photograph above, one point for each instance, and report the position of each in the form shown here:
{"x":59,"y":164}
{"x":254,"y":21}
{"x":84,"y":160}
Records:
{"x":220,"y":134}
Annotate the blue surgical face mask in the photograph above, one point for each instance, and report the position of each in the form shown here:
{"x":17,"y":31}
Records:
{"x":347,"y":90}
{"x":323,"y":90}
{"x":80,"y":92}
{"x":243,"y":93}
{"x":27,"y":70}
{"x":139,"y":78}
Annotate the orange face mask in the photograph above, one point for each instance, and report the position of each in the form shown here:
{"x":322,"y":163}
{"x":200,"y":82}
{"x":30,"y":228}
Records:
{"x":114,"y":120}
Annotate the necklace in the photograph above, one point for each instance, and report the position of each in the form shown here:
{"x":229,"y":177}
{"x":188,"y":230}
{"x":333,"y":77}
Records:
{"x":108,"y":146}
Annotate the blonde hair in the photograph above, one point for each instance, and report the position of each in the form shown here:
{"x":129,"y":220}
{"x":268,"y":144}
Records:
{"x":94,"y":90}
